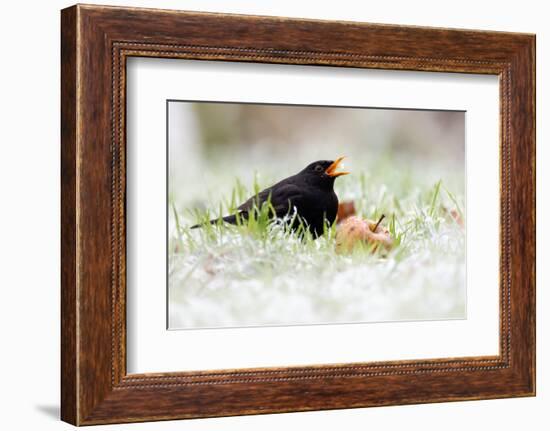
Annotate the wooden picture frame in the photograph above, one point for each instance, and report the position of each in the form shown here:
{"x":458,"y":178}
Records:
{"x":95,"y":43}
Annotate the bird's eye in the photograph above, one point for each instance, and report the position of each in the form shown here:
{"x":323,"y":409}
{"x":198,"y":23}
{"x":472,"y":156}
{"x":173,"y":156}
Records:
{"x":318,"y":168}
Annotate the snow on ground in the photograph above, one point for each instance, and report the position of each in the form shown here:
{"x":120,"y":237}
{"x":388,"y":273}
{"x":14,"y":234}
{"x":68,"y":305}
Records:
{"x":230,"y":277}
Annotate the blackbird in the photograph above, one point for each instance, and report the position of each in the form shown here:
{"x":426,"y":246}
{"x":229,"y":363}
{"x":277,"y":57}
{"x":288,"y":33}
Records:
{"x":310,"y":193}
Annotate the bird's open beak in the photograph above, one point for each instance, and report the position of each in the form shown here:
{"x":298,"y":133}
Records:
{"x":331,"y":170}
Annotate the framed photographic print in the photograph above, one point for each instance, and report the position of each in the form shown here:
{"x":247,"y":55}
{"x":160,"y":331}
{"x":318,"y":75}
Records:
{"x":265,"y":215}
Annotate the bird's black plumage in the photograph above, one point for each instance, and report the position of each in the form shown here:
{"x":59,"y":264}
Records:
{"x":310,"y":193}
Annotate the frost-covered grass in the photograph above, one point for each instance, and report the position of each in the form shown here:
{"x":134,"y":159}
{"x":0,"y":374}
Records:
{"x":259,"y":273}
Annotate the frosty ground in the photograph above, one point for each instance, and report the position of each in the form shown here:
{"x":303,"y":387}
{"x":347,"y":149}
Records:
{"x":262,"y":274}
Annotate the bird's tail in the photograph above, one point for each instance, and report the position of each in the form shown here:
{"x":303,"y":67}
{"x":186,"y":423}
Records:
{"x":232,"y":219}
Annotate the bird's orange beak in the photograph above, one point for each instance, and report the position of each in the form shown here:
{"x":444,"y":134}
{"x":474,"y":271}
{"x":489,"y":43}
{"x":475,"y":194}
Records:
{"x":331,"y":170}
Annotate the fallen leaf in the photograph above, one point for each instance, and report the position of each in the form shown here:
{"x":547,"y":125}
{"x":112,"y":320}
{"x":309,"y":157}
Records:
{"x":345,"y":209}
{"x":457,"y":217}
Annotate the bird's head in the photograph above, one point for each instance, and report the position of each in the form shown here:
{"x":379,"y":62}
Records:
{"x":323,"y":171}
